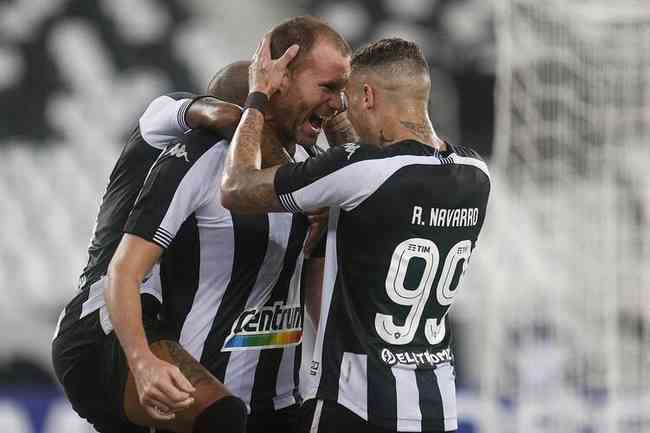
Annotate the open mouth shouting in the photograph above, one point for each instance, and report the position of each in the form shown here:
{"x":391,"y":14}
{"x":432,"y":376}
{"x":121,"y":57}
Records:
{"x":316,"y":122}
{"x":313,"y":125}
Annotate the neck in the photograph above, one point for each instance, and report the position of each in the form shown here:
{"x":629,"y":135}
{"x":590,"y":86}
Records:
{"x":410,"y":125}
{"x":273,"y":145}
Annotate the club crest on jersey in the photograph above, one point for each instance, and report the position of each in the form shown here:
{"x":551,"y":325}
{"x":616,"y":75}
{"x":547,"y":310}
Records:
{"x":178,"y":150}
{"x":278,"y":325}
{"x":416,"y":359}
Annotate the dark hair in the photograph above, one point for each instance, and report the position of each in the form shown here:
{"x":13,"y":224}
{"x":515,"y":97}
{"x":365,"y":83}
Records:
{"x":389,"y":51}
{"x":304,"y":31}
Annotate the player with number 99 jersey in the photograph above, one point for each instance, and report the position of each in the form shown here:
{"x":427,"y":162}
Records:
{"x":403,"y":223}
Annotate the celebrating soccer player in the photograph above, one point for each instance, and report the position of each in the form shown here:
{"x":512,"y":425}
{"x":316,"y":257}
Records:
{"x":406,"y":212}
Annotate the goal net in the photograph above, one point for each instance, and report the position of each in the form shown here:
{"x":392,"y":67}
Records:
{"x":566,"y":281}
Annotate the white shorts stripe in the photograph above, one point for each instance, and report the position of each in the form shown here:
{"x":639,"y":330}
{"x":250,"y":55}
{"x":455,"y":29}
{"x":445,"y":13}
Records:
{"x":353,"y":383}
{"x":240,"y":373}
{"x":409,"y":416}
{"x":447,"y":385}
{"x":316,"y":420}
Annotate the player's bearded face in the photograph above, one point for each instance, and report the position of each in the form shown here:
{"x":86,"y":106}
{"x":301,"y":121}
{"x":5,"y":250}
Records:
{"x":313,"y":94}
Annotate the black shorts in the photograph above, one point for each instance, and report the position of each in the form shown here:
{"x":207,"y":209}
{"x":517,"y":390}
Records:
{"x":92,"y":368}
{"x":274,"y":421}
{"x":332,"y":417}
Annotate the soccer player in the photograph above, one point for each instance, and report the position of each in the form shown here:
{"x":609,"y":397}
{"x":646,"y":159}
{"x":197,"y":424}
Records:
{"x":86,"y":355}
{"x":231,"y":281}
{"x":406,"y":209}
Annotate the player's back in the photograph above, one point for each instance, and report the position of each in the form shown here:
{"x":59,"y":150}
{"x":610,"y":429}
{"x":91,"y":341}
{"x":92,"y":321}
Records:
{"x":402,"y":242}
{"x":142,"y":149}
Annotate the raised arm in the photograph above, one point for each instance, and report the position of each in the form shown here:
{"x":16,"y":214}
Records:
{"x":169,"y":117}
{"x":245,"y":187}
{"x":211,"y":113}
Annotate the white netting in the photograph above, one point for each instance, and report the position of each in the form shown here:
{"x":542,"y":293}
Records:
{"x":567,"y":276}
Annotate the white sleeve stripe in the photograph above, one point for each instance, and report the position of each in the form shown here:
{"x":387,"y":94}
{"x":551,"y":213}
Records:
{"x":474,"y":162}
{"x":288,"y":203}
{"x":351,"y":185}
{"x":161,"y":234}
{"x":294,"y":205}
{"x":162,"y":241}
{"x":181,"y":115}
{"x":283,"y":202}
{"x":165,"y":232}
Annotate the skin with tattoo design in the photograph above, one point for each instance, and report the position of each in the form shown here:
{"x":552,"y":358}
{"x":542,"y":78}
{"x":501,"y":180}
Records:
{"x":319,"y":79}
{"x":386,"y":106}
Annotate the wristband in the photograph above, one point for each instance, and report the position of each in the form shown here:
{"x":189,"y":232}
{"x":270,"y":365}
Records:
{"x":256,"y":100}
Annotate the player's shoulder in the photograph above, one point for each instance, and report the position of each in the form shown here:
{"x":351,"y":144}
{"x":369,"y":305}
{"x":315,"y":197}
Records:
{"x":349,"y":153}
{"x":193,"y":147}
{"x":465,"y":155}
{"x":177,"y":96}
{"x":465,"y":152}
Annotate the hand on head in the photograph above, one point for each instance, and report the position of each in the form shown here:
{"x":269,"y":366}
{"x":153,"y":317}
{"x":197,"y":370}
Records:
{"x":265,"y":74}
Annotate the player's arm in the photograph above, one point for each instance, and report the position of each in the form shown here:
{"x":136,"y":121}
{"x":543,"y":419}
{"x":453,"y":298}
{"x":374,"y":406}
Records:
{"x":338,"y":129}
{"x":312,"y":280}
{"x":169,"y":117}
{"x":174,"y":188}
{"x":317,"y":182}
{"x":245,"y":187}
{"x":163,"y":386}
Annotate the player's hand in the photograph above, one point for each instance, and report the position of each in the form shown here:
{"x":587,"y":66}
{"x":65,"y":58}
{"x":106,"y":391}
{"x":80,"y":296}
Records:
{"x":265,"y":74}
{"x":162,"y":388}
{"x":317,"y":226}
{"x":339,"y":130}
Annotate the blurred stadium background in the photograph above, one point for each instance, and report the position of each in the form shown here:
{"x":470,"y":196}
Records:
{"x":553,"y":323}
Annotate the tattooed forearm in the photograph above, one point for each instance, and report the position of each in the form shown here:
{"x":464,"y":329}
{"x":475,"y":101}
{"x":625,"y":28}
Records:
{"x":245,"y":187}
{"x":418,"y":129}
{"x":342,"y":136}
{"x":245,"y":152}
{"x":190,"y":367}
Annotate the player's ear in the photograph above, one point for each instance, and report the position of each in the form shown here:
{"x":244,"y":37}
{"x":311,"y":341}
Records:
{"x":368,"y":96}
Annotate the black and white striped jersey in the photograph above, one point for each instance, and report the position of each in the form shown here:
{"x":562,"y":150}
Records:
{"x":403,"y":223}
{"x":162,"y":122}
{"x":230,"y":282}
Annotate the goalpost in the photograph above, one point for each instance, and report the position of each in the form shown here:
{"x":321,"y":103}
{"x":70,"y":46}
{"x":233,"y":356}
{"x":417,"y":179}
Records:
{"x":566,"y":272}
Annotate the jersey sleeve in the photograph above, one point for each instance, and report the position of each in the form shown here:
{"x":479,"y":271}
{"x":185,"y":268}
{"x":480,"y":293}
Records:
{"x":164,"y":119}
{"x":177,"y":185}
{"x":333,"y":178}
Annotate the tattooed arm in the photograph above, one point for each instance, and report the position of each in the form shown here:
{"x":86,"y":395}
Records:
{"x":245,"y":187}
{"x":339,"y":130}
{"x":162,"y":388}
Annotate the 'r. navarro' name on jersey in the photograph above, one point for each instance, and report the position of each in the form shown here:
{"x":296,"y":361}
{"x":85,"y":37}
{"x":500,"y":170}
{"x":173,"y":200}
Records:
{"x":459,"y":217}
